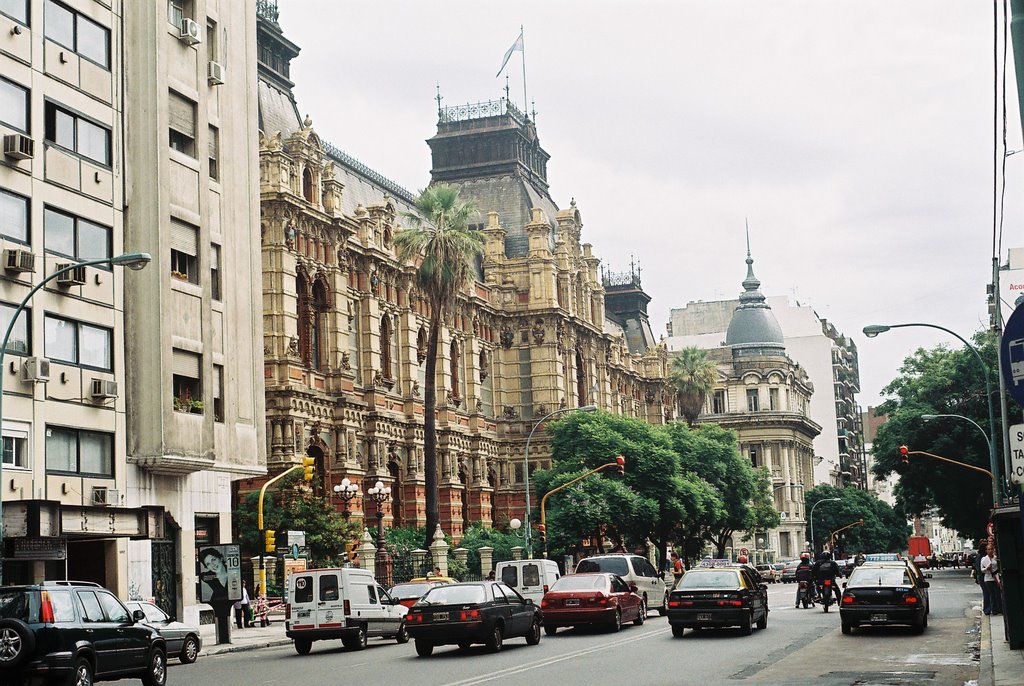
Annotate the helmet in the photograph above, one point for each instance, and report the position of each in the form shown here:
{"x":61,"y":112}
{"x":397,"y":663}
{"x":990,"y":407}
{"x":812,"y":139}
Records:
{"x":805,"y":556}
{"x":742,"y":559}
{"x":826,"y":556}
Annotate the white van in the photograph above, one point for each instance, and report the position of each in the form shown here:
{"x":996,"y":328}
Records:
{"x":532,"y":578}
{"x":345,"y":603}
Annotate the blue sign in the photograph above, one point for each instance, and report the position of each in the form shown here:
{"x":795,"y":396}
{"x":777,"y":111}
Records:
{"x":1012,"y":354}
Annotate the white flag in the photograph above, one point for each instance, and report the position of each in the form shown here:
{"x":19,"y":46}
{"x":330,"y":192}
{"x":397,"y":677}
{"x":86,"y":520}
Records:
{"x":518,"y":45}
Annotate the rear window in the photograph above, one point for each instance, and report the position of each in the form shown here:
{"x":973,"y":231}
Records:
{"x":63,"y":608}
{"x":510,"y":576}
{"x":612,"y":565}
{"x":580,"y":583}
{"x":879,"y":576}
{"x":303,"y":589}
{"x":410,"y":590}
{"x":531,"y":575}
{"x":17,"y":605}
{"x":454,"y":595}
{"x":709,"y":579}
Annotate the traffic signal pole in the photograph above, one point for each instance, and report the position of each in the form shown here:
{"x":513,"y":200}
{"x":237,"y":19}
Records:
{"x":620,"y":462}
{"x":259,"y":517}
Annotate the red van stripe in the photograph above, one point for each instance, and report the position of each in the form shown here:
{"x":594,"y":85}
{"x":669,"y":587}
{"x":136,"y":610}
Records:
{"x":334,"y":625}
{"x":301,"y":626}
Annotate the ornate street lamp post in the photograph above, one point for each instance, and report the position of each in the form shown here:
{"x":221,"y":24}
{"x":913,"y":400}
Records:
{"x":810,"y":518}
{"x":382,"y":562}
{"x":346,"y":490}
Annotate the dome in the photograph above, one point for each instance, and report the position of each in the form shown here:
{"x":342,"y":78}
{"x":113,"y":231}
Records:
{"x":753,"y":323}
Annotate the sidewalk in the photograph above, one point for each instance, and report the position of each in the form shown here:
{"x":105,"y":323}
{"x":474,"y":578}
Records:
{"x":1000,"y":666}
{"x":247,"y":639}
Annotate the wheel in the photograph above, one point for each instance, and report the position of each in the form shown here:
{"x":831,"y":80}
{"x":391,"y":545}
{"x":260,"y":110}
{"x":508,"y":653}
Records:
{"x":189,"y":650}
{"x":678,"y":631}
{"x":826,"y":604}
{"x":495,"y":639}
{"x":847,"y":629}
{"x":663,"y":610}
{"x":156,"y":673}
{"x":763,"y":622}
{"x":550,"y":630}
{"x":403,"y":634}
{"x":17,"y":642}
{"x":424,"y":648}
{"x":356,"y":642}
{"x":302,"y":646}
{"x":82,"y":676}
{"x":922,"y":625}
{"x":641,"y":614}
{"x":747,"y":626}
{"x":617,"y":621}
{"x":533,"y":635}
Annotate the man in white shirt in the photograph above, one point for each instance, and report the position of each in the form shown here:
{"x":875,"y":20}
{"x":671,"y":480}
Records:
{"x":992,"y":603}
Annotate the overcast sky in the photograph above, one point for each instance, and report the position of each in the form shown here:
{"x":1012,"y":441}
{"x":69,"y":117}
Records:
{"x":856,"y":138}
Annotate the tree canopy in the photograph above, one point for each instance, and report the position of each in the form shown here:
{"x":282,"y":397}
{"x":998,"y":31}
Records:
{"x":884,"y":530}
{"x":692,"y":376}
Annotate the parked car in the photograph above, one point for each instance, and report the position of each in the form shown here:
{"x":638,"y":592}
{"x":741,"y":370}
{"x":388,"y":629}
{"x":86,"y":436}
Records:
{"x":718,"y":597}
{"x":183,"y":640}
{"x":463,"y":614}
{"x":346,"y":604}
{"x":768,"y":573}
{"x":633,"y":569}
{"x":78,"y":632}
{"x":881,"y":593}
{"x":789,"y":572}
{"x":532,"y":578}
{"x":408,"y":593}
{"x":596,"y":598}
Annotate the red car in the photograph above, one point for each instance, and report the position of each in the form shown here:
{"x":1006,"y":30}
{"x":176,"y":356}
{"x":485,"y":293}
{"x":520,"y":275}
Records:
{"x":597,"y":598}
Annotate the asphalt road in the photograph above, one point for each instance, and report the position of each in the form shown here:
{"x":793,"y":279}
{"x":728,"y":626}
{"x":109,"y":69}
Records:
{"x":798,"y":647}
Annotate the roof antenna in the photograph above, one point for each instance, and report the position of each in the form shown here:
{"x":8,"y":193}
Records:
{"x":438,"y":98}
{"x":506,"y":88}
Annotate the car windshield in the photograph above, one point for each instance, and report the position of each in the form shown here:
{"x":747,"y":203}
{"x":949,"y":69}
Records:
{"x":584,"y":582}
{"x":15,"y":605}
{"x":709,"y":579}
{"x":613,"y":565}
{"x":453,"y":595}
{"x":879,"y":576}
{"x":410,"y":590}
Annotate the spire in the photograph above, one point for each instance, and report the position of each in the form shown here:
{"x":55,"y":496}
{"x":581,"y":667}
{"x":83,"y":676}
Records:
{"x":750,"y":284}
{"x":753,"y":328}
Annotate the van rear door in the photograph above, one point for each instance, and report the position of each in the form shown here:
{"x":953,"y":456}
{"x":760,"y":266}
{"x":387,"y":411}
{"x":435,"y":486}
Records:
{"x":532,"y":581}
{"x":330,"y":606}
{"x":303,"y":601}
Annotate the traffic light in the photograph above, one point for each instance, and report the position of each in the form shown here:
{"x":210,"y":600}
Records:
{"x":270,"y":541}
{"x":903,"y":454}
{"x":622,"y":465}
{"x":543,"y":533}
{"x":307,"y":468}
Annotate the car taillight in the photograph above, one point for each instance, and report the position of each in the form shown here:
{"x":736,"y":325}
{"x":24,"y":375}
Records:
{"x":602,"y":601}
{"x":545,"y":588}
{"x":414,"y":617}
{"x":347,"y":608}
{"x":468,"y":615}
{"x":848,"y":600}
{"x":46,"y":609}
{"x":680,"y":603}
{"x":287,"y":611}
{"x":730,"y":603}
{"x":543,"y":603}
{"x":827,"y":582}
{"x":910,"y":600}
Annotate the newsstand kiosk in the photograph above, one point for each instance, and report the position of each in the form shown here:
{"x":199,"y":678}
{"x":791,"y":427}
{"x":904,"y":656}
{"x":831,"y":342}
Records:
{"x":1008,"y":528}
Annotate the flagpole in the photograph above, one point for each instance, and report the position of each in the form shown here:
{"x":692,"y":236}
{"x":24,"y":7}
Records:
{"x":526,"y":102}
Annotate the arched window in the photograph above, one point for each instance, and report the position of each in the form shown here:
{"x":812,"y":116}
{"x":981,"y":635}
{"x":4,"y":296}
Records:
{"x":581,"y":380}
{"x":302,"y":308}
{"x":385,"y":347}
{"x":307,"y":184}
{"x":317,"y":325}
{"x":456,"y":364}
{"x":421,"y":356}
{"x":486,"y":385}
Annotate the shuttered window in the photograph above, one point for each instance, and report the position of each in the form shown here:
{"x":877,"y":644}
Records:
{"x":184,"y":252}
{"x":184,"y":363}
{"x":186,"y":370}
{"x":181,"y":119}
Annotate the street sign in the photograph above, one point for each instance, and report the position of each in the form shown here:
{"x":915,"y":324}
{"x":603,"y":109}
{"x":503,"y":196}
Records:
{"x":1011,"y":353}
{"x":744,"y":551}
{"x":1017,"y":454}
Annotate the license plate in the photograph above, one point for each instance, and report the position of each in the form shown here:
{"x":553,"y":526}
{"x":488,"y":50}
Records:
{"x":302,"y":614}
{"x":704,"y":617}
{"x":572,"y":601}
{"x":440,"y":616}
{"x":879,"y":618}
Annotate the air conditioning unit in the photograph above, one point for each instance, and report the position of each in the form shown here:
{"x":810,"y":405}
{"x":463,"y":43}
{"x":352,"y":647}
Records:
{"x":103,"y":388}
{"x":190,"y":31}
{"x":101,"y":495}
{"x":19,"y":260}
{"x":35,"y":369}
{"x":72,"y":277}
{"x":215,"y":73}
{"x":18,"y":146}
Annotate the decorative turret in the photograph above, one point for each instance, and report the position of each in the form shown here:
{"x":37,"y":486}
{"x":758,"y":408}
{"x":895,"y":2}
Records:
{"x":754,"y":329}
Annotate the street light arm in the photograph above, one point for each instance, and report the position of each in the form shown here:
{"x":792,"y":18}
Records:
{"x":984,"y":435}
{"x":956,"y":462}
{"x":570,"y":483}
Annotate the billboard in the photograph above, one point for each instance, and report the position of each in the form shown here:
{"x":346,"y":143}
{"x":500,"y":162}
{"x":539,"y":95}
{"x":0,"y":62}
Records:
{"x":1011,"y":287}
{"x":220,"y":573}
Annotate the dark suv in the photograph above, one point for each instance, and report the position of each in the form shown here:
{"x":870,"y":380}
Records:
{"x":76,"y":631}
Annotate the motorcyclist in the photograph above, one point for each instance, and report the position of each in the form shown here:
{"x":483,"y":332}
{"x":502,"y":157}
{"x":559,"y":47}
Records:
{"x":859,"y":560}
{"x":804,"y":572}
{"x":824,"y":569}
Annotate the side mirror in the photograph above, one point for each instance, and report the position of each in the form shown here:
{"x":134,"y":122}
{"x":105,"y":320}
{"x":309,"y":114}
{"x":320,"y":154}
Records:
{"x":396,"y":601}
{"x":138,"y":616}
{"x":763,"y":587}
{"x":927,"y":576}
{"x":529,"y":601}
{"x":632,"y":586}
{"x":924,"y":584}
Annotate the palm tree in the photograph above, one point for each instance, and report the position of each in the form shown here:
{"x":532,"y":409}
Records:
{"x":692,"y":376}
{"x":444,"y":249}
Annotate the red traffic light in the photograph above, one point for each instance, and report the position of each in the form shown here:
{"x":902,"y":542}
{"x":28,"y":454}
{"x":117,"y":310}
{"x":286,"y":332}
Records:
{"x":904,"y":450}
{"x":540,"y":527}
{"x":620,"y":460}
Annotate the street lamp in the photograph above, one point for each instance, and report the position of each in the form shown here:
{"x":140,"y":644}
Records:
{"x":873,"y":330}
{"x":988,"y":441}
{"x":811,"y":519}
{"x":132,"y":260}
{"x":378,"y":494}
{"x":526,"y":466}
{"x":515,"y":524}
{"x":346,"y":490}
{"x":759,"y":551}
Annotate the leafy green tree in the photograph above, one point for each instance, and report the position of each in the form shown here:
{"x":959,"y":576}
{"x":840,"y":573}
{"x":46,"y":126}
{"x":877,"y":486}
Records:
{"x":444,"y":251}
{"x":884,"y":530}
{"x":692,"y":376}
{"x":940,"y":380}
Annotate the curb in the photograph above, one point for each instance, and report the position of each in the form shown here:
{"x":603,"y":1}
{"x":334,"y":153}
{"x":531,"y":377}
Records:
{"x":987,"y":675}
{"x":270,"y":643}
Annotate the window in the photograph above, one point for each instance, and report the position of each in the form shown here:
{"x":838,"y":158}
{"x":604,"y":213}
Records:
{"x":526,"y":382}
{"x":61,"y":604}
{"x":14,"y":105}
{"x":178,"y":10}
{"x":186,"y":370}
{"x":90,"y":606}
{"x":211,"y":41}
{"x":77,"y":32}
{"x":328,"y":587}
{"x":184,"y":249}
{"x":773,"y":399}
{"x":15,"y":445}
{"x":510,"y":575}
{"x":20,"y":342}
{"x":753,"y":451}
{"x":752,"y":405}
{"x":215,"y":271}
{"x":214,"y":149}
{"x":371,"y":594}
{"x":16,"y":10}
{"x":112,"y":607}
{"x":182,"y":122}
{"x":78,"y":343}
{"x":303,"y":589}
{"x":531,"y":575}
{"x":385,"y":347}
{"x":74,"y":451}
{"x":74,"y":237}
{"x":77,"y":134}
{"x":718,"y":402}
{"x":14,"y":217}
{"x":353,"y":339}
{"x":218,"y":393}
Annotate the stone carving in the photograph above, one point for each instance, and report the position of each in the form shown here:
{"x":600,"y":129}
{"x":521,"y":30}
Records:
{"x":649,"y":395}
{"x":507,"y":337}
{"x":346,"y":362}
{"x":560,"y":336}
{"x":289,"y":236}
{"x":382,"y":381}
{"x":416,"y":388}
{"x":538,"y":332}
{"x":374,"y":282}
{"x":509,"y":412}
{"x":454,"y":399}
{"x":562,"y":404}
{"x":476,"y":326}
{"x":268,"y":350}
{"x":293,"y":346}
{"x":540,"y":410}
{"x":479,"y":405}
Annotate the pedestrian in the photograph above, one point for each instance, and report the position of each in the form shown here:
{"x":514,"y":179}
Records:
{"x":992,"y":602}
{"x":490,"y":575}
{"x":677,"y":566}
{"x":241,"y":608}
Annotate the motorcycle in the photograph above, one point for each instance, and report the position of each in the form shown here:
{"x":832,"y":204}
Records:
{"x":826,"y":591}
{"x":805,"y":593}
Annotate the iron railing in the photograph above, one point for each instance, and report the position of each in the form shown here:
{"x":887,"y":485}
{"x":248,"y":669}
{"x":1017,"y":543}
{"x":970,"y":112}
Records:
{"x":355,"y":165}
{"x":480,"y":110}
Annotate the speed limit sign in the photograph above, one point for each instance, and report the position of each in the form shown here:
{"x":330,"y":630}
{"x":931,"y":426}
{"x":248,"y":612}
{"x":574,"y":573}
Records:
{"x":744,"y":551}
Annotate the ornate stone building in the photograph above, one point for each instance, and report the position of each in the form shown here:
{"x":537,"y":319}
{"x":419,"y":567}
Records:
{"x":345,"y":328}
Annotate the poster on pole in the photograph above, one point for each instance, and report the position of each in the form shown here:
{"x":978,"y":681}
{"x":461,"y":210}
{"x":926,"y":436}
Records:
{"x":220,"y":573}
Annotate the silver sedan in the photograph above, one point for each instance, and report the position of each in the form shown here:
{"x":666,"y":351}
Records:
{"x":183,"y":641}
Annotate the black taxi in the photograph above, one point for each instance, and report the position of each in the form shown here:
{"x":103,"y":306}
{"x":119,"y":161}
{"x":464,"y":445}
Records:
{"x":718,"y":596}
{"x":882,"y":593}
